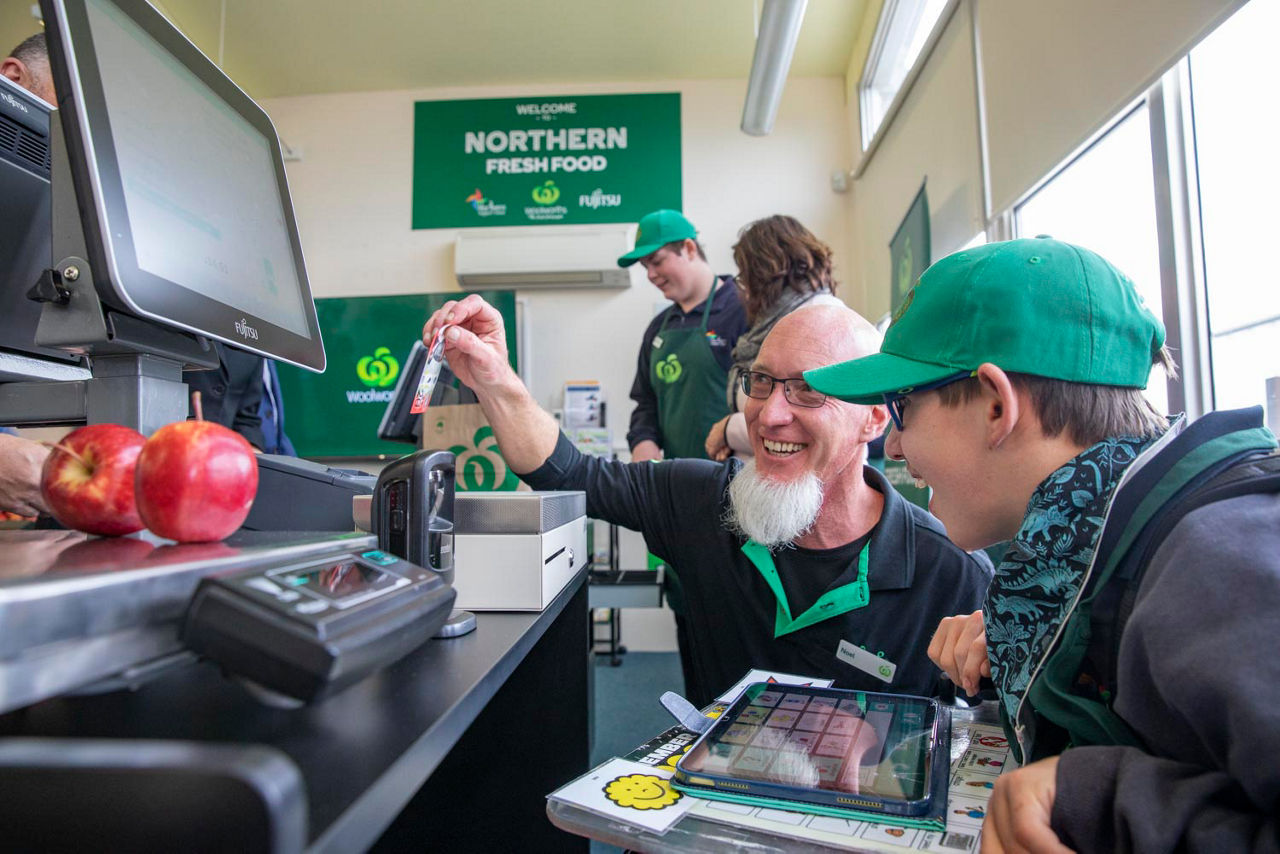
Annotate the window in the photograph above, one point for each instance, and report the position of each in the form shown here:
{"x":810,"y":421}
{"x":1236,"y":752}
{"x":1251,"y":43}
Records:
{"x":1104,"y":200}
{"x":1232,"y":73}
{"x":903,"y":31}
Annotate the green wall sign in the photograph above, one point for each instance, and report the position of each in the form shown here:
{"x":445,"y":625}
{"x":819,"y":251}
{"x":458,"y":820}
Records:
{"x":545,"y":161}
{"x":367,"y":340}
{"x":909,"y":250}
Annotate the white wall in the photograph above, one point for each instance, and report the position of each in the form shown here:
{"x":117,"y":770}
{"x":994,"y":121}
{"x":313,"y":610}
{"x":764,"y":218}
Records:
{"x":352,"y":197}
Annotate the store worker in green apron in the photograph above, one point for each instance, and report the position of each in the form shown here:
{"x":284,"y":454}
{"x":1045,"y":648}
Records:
{"x":686,"y":351}
{"x":684,"y":361}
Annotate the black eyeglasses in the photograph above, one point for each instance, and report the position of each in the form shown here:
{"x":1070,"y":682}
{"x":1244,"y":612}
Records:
{"x":895,"y":400}
{"x":794,"y":389}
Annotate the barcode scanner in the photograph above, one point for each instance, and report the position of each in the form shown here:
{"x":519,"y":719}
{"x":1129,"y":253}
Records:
{"x":413,"y":507}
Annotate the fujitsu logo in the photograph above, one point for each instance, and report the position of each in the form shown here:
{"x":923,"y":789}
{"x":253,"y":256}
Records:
{"x":243,"y":328}
{"x":13,"y":102}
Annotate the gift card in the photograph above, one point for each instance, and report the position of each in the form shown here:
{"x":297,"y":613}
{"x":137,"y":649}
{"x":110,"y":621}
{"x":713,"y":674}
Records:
{"x":430,"y":372}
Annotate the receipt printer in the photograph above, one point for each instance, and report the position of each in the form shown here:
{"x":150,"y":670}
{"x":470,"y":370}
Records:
{"x":516,"y":551}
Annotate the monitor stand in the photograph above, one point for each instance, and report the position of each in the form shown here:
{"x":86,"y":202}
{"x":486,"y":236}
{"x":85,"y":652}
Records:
{"x":136,"y":366}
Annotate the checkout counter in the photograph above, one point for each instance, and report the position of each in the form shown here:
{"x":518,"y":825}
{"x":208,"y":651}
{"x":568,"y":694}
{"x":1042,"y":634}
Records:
{"x":115,"y":734}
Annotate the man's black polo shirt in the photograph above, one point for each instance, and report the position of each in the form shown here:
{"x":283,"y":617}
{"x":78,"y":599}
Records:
{"x":916,"y":575}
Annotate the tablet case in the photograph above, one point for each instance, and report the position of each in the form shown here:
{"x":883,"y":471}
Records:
{"x":727,"y":787}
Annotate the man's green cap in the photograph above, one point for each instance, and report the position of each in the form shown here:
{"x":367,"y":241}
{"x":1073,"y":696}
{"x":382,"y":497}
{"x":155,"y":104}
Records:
{"x":656,"y":231}
{"x":1035,"y":306}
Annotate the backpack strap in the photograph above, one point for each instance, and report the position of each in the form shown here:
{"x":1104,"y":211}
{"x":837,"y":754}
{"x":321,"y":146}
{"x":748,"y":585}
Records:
{"x":1255,"y":473}
{"x":1075,"y":687}
{"x":1204,"y":449}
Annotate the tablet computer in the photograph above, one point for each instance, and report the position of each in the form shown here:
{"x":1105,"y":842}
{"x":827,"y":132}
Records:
{"x":825,"y":750}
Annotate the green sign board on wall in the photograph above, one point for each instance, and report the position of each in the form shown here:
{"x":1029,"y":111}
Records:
{"x":542,"y":161}
{"x":367,"y":341}
{"x":910,"y":250}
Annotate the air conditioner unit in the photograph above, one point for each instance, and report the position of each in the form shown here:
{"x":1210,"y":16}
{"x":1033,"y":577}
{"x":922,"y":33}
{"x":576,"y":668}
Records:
{"x":571,"y":256}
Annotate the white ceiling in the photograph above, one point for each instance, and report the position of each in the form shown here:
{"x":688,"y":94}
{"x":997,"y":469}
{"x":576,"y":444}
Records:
{"x":294,"y":47}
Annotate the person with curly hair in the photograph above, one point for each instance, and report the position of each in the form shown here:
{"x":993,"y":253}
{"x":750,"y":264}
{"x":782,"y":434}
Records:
{"x":781,"y":266}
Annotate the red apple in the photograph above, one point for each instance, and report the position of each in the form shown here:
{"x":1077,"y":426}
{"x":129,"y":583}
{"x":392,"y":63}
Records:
{"x":87,"y":480}
{"x":196,"y":481}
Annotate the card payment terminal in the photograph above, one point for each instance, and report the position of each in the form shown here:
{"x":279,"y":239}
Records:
{"x":306,"y":629}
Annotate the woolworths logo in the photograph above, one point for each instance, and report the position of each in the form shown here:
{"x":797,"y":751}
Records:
{"x":547,"y":193}
{"x":669,"y":369}
{"x":480,"y":466}
{"x":378,"y":372}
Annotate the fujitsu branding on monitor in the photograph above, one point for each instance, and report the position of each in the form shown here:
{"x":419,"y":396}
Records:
{"x":14,"y":102}
{"x":243,"y":328}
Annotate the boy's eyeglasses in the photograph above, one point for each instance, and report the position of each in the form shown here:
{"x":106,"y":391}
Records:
{"x":894,"y":401}
{"x":797,"y":392}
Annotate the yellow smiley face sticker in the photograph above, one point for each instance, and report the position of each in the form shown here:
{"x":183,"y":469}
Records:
{"x":641,"y":792}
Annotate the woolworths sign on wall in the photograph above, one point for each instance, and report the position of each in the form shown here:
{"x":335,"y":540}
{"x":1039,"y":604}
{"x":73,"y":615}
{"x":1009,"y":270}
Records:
{"x":537,"y":161}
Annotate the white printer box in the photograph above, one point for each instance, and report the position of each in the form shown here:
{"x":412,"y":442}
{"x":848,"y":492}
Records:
{"x":517,"y":572}
{"x":517,"y":551}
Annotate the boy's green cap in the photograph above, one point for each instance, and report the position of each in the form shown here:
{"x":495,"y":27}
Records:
{"x":656,"y":231}
{"x":1035,"y":306}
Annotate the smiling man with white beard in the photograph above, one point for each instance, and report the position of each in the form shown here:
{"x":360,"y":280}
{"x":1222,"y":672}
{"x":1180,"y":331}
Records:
{"x":806,"y":561}
{"x":772,"y":514}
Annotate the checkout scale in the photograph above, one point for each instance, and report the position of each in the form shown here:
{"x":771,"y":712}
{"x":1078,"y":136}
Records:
{"x":294,"y":615}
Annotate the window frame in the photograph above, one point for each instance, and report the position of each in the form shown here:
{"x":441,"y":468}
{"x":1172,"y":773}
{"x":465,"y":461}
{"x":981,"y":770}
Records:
{"x":876,"y":54}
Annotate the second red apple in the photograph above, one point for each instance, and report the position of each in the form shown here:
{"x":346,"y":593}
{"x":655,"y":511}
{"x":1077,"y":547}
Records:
{"x":88,"y":479}
{"x":196,"y":481}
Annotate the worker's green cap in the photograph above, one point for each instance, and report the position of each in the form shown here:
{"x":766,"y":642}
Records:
{"x":656,"y":231}
{"x":1035,"y":306}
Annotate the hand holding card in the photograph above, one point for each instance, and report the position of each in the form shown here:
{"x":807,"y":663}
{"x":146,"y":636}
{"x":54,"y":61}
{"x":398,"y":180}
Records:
{"x":476,"y":348}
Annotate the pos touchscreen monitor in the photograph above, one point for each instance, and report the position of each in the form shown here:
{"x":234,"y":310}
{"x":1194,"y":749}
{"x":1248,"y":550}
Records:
{"x":180,"y":181}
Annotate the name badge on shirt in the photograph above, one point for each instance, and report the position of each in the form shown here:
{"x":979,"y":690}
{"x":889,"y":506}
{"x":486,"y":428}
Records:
{"x":657,"y":341}
{"x":868,"y":662}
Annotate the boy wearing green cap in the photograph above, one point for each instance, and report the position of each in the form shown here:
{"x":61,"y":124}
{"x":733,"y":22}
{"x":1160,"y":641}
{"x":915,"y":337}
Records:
{"x":687,"y":350}
{"x":1130,"y":629}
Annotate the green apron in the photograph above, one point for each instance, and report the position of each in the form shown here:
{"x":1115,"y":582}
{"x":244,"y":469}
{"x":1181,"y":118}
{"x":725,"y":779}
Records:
{"x":689,"y":385}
